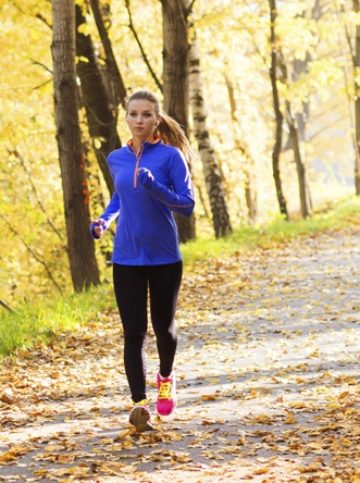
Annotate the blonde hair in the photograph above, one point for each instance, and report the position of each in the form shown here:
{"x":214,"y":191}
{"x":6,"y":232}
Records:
{"x":169,"y":131}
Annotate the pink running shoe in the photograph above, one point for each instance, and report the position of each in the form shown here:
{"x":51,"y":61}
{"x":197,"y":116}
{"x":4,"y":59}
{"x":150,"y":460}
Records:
{"x":166,"y":401}
{"x":140,"y":416}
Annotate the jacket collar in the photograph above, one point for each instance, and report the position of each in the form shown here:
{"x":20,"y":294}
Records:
{"x":146,"y":144}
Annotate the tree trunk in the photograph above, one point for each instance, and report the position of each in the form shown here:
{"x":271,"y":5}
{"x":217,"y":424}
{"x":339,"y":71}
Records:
{"x":249,"y":164}
{"x":175,"y":61}
{"x":100,"y":111}
{"x":81,"y":250}
{"x":213,"y":179}
{"x":279,"y":118}
{"x":294,"y":136}
{"x":356,"y":8}
{"x":202,"y":201}
{"x":354,"y":108}
{"x":300,"y":67}
{"x":304,"y":194}
{"x":115,"y":82}
{"x":175,"y":80}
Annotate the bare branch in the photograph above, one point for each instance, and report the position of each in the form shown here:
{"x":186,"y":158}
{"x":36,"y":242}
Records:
{"x":117,"y":82}
{"x":18,"y":156}
{"x":190,"y":8}
{"x":36,"y":62}
{"x":15,"y":4}
{"x":347,"y":36}
{"x":143,"y":53}
{"x":6,"y":306}
{"x":43,"y":20}
{"x":39,"y":16}
{"x":324,"y":128}
{"x":32,"y":252}
{"x":256,"y":47}
{"x":39,"y":86}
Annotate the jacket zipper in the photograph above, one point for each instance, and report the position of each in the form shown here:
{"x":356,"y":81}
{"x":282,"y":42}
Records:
{"x":138,"y":159}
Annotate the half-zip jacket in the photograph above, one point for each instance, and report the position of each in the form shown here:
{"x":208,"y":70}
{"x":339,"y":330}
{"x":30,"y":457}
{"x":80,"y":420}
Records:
{"x":143,"y":205}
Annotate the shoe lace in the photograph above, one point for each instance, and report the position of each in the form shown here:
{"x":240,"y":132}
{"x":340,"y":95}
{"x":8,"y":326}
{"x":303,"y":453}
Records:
{"x":165,"y":390}
{"x":143,"y":402}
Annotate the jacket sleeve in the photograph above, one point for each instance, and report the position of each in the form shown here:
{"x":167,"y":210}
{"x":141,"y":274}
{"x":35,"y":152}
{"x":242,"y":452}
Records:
{"x":110,"y":213}
{"x":181,"y":197}
{"x":112,"y":210}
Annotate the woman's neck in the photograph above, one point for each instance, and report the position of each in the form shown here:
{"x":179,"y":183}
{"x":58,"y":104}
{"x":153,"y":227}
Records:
{"x":138,"y":141}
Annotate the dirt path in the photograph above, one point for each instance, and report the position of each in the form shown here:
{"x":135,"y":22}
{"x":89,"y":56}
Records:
{"x":268,"y":370}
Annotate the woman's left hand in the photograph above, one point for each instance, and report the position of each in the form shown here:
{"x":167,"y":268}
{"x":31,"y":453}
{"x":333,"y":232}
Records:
{"x":145,"y":177}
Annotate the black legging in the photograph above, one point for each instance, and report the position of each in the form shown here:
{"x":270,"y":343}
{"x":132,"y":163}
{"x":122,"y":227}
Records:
{"x":131,"y":287}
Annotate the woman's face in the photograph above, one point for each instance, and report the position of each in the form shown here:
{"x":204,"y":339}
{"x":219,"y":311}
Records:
{"x":141,"y":118}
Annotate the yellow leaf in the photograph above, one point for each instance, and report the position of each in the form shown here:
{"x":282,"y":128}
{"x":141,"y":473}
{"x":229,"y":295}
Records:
{"x":315,"y":445}
{"x":241,"y":441}
{"x":13,"y":453}
{"x":290,"y":418}
{"x":122,"y":435}
{"x":55,"y":375}
{"x":298,"y":405}
{"x":262,"y":471}
{"x":262,"y":419}
{"x":209,"y":397}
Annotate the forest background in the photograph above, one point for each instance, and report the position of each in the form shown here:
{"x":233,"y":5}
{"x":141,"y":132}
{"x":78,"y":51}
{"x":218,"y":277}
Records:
{"x":278,"y":84}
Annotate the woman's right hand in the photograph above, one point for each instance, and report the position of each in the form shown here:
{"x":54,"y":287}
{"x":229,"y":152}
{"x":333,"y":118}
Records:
{"x":97,"y":228}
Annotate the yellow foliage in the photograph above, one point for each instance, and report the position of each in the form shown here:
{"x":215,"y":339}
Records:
{"x":233,"y":40}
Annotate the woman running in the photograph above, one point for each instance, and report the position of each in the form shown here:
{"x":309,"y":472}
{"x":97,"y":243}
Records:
{"x":151,"y":181}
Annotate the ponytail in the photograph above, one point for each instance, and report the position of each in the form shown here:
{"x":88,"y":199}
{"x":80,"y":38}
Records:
{"x":170,"y":132}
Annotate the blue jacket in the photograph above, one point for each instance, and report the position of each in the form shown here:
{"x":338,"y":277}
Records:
{"x":146,"y":232}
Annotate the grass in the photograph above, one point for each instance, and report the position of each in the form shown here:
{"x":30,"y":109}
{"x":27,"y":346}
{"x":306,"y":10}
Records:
{"x":39,"y":322}
{"x":34,"y":322}
{"x":344,"y":214}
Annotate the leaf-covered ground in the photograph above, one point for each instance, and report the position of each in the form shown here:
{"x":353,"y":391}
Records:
{"x":268,"y":370}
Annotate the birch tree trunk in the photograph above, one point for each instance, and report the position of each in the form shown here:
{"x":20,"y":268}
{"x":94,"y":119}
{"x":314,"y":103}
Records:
{"x":176,"y":81}
{"x":279,"y":118}
{"x":213,"y":179}
{"x":356,"y":8}
{"x":249,"y":165}
{"x":81,"y":250}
